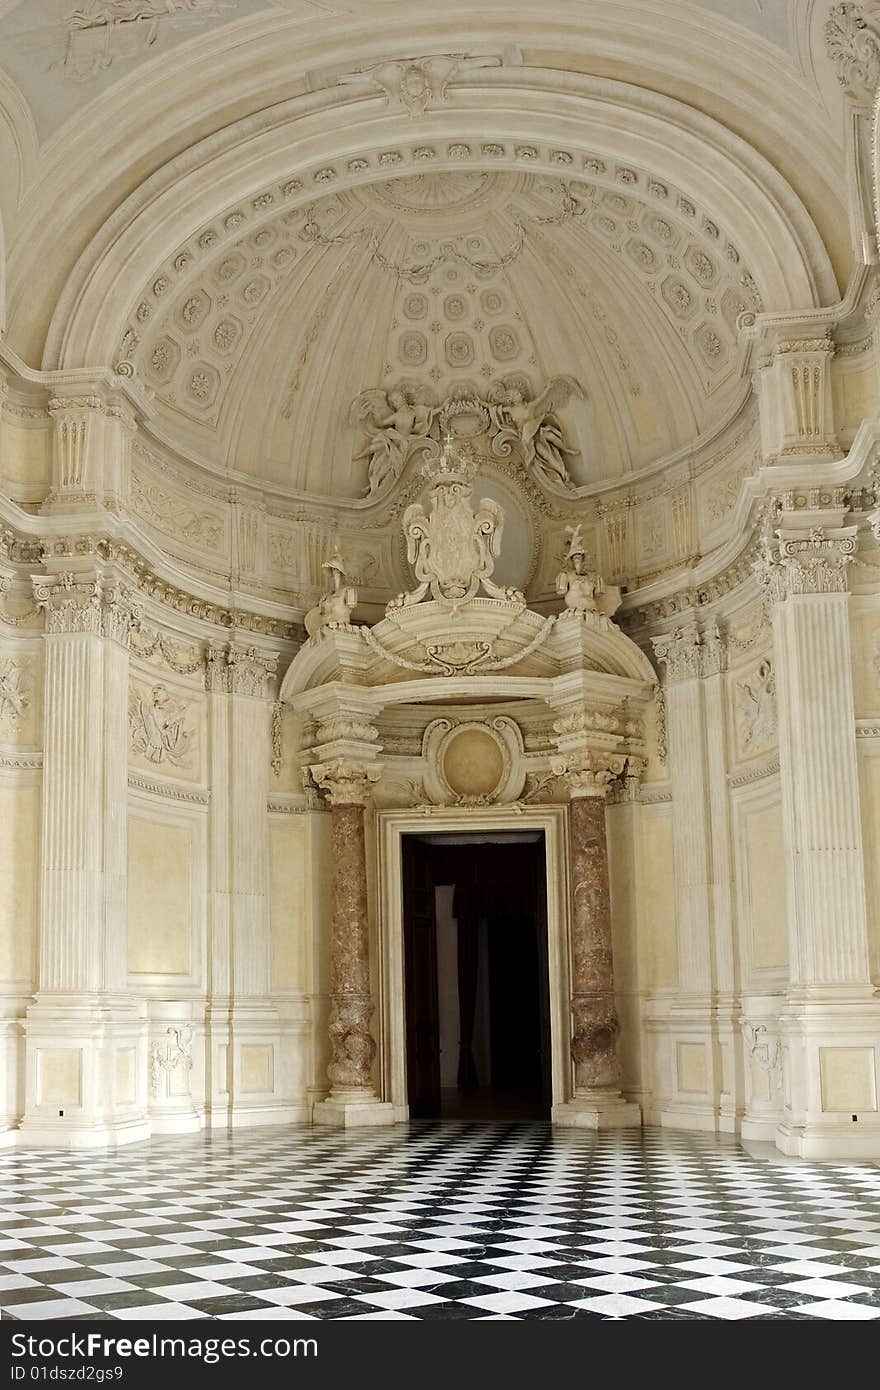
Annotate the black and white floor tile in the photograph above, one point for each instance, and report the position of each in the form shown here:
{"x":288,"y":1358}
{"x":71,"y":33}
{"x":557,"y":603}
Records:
{"x":428,"y":1221}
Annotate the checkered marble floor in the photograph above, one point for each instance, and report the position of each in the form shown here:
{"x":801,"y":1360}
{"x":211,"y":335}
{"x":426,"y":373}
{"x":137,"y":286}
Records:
{"x":437,"y":1220}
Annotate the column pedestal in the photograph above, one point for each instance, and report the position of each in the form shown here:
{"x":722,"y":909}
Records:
{"x":596,"y":1102}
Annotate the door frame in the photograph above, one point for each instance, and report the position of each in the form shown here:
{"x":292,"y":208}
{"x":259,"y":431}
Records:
{"x":391,"y":1024}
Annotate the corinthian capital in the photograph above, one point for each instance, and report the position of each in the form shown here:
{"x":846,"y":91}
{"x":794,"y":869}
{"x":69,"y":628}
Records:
{"x":588,"y":772}
{"x":688,"y":653}
{"x":345,"y":782}
{"x":811,"y":563}
{"x":85,"y":602}
{"x":249,"y":670}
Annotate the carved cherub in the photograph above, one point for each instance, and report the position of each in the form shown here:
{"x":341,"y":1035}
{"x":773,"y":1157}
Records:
{"x":336,"y":605}
{"x":394,"y":425}
{"x":534,"y":424}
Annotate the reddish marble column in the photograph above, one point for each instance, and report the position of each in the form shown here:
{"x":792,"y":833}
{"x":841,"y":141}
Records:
{"x":352,"y":1047}
{"x":594,"y":1036}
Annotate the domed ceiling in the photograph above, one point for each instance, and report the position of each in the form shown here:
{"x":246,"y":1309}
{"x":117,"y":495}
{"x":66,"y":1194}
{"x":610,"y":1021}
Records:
{"x":259,"y":334}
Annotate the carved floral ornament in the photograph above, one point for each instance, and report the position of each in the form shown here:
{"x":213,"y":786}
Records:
{"x":852,"y":39}
{"x":15,"y":694}
{"x":417,"y":84}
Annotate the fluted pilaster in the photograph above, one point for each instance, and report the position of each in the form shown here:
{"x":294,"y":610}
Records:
{"x":831,"y":1023}
{"x":689,"y":656}
{"x":86,"y":1078}
{"x":806,"y":579}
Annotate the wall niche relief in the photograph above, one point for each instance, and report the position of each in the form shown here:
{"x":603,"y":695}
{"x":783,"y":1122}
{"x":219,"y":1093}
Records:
{"x":471,"y":763}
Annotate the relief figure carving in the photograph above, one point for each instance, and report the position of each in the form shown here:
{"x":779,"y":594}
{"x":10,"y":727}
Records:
{"x":156,"y":726}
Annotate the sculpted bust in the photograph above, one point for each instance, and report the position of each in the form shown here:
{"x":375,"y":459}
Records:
{"x":583,"y":589}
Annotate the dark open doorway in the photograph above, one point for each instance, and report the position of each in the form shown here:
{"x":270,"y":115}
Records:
{"x":476,"y":977}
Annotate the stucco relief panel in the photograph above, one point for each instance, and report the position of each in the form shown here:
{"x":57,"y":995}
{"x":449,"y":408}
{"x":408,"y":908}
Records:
{"x":19,"y":698}
{"x":753,"y":692}
{"x":166,"y":726}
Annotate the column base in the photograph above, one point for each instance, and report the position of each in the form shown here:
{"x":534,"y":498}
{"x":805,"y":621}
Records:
{"x":597,"y":1111}
{"x":39,"y":1132}
{"x":757,"y":1131}
{"x":831,"y":1063}
{"x":86,"y":1073}
{"x":857,"y":1140}
{"x":353,"y":1109}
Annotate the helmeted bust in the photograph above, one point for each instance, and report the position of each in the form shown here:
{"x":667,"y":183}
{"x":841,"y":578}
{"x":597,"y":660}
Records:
{"x":336,"y":605}
{"x":579,"y":585}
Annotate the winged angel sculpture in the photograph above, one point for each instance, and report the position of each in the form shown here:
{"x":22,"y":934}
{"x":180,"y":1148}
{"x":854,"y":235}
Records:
{"x":395,"y":425}
{"x":534,"y":426}
{"x":407,"y":419}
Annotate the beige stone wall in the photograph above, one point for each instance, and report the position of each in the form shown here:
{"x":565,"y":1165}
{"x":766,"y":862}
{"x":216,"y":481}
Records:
{"x":25,"y":457}
{"x":855,"y":389}
{"x":865,"y":638}
{"x":161,"y":890}
{"x":760,"y":870}
{"x":19,"y":882}
{"x":290,"y":890}
{"x":657,"y":941}
{"x":869,"y":786}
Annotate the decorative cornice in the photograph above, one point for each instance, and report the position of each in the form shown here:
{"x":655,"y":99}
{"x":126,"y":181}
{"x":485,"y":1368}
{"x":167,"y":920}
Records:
{"x":21,"y":762}
{"x":659,"y":796}
{"x":824,"y":345}
{"x":194,"y":796}
{"x":289,"y":806}
{"x":768,"y":768}
{"x":868,"y":728}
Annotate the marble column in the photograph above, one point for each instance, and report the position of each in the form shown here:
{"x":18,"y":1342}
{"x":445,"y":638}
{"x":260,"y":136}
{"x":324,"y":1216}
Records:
{"x":353,"y":1099}
{"x":831,"y":1023}
{"x":597,"y":1102}
{"x":85,"y":1035}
